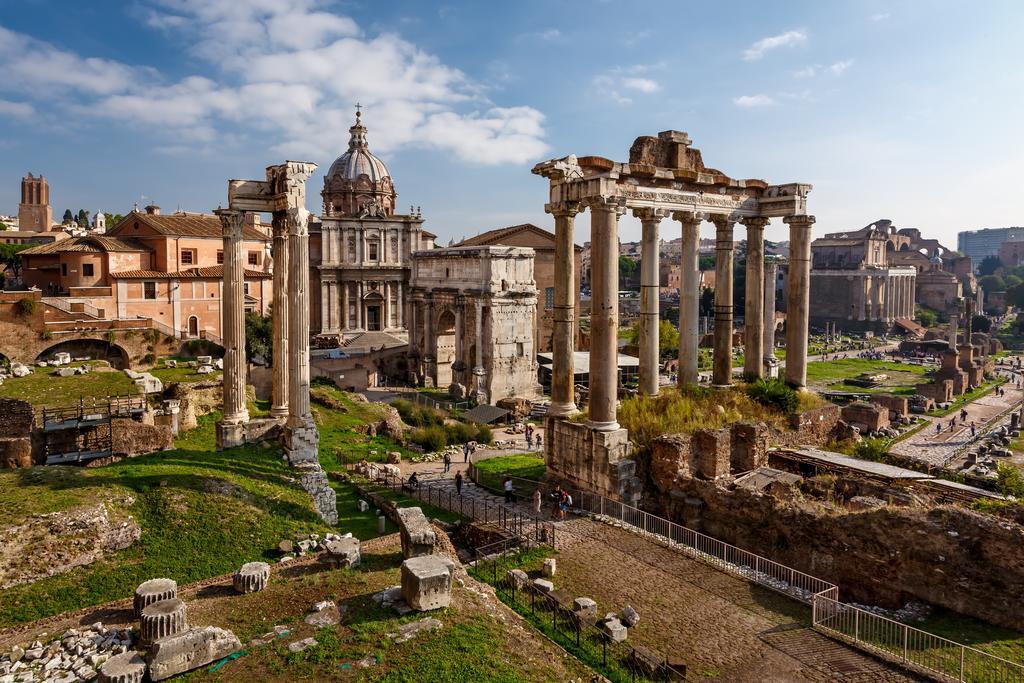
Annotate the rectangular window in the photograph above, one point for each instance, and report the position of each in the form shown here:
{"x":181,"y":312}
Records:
{"x":245,"y":288}
{"x":254,"y":258}
{"x":64,"y":269}
{"x":188,"y":257}
{"x":87,"y":269}
{"x":549,"y":298}
{"x":148,"y":290}
{"x":520,"y":349}
{"x":220,"y":257}
{"x":373,"y":251}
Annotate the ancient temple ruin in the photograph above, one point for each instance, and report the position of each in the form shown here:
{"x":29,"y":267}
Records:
{"x":664,"y":177}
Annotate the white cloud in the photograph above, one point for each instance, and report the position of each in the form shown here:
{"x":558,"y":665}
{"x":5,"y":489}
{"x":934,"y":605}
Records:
{"x":18,"y":110}
{"x":285,"y":73}
{"x":612,"y":82}
{"x":838,"y":68}
{"x":806,"y":72}
{"x":644,"y":85}
{"x":881,"y":16}
{"x":787,"y":39}
{"x":751,"y":101}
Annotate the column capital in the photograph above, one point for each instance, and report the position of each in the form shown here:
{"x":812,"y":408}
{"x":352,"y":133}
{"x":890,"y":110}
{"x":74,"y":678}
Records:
{"x":722,"y":221}
{"x":232,"y":221}
{"x":800,"y":221}
{"x":601,"y":203}
{"x":755,"y":222}
{"x":650,"y":214}
{"x":298,"y":222}
{"x":568,"y":209}
{"x":689,"y":218}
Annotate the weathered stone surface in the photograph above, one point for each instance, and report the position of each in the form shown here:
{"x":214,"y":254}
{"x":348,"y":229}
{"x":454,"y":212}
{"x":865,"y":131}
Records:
{"x":324,"y":614}
{"x":252,"y":577}
{"x":343,"y":552}
{"x":300,"y":645}
{"x":16,"y":452}
{"x":427,"y":582}
{"x":550,"y":566}
{"x":613,"y":628}
{"x":128,"y":667}
{"x":189,"y":650}
{"x":314,"y":481}
{"x":152,"y":591}
{"x":543,"y":585}
{"x":161,"y":619}
{"x":413,"y":628}
{"x":584,"y":608}
{"x":517,"y":578}
{"x":629,"y":616}
{"x":418,"y":536}
{"x":131,"y":437}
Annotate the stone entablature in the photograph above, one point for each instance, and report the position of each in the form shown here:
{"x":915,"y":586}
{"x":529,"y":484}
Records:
{"x":473,"y":320}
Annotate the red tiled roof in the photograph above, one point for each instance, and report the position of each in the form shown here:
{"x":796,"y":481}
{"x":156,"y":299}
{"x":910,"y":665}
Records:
{"x":208,"y":273}
{"x":90,"y":244}
{"x":495,"y":237}
{"x":183,"y":224}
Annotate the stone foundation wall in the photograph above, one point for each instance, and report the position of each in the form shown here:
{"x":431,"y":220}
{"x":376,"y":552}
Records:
{"x":948,"y":556}
{"x":596,"y":461}
{"x":16,"y":418}
{"x":811,"y":427}
{"x":15,"y":452}
{"x":130,"y":437}
{"x":867,"y":417}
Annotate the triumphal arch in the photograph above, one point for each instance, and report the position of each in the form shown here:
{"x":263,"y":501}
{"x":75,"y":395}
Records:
{"x":664,"y":178}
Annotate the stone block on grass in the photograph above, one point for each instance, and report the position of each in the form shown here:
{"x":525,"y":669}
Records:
{"x":189,"y":650}
{"x":418,"y":536}
{"x":427,"y":582}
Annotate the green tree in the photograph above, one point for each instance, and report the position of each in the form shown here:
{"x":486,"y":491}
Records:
{"x":981,"y":323}
{"x":707,"y":263}
{"x":83,"y":218}
{"x":668,"y":338}
{"x":1015,"y":296}
{"x":627,"y":269}
{"x":992,"y":283}
{"x":68,"y":217}
{"x":259,"y":336}
{"x":707,"y":301}
{"x":112,"y":219}
{"x":1010,"y":280}
{"x":927,"y":317}
{"x":989,"y":265}
{"x":10,"y":257}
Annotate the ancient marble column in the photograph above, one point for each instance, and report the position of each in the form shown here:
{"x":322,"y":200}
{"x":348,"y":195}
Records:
{"x":650,"y":317}
{"x":604,"y":315}
{"x":231,"y":427}
{"x":953,"y":320}
{"x":798,"y":300}
{"x":344,"y":306}
{"x":862,"y":297}
{"x":459,"y":364}
{"x":563,"y":342}
{"x":430,"y":343}
{"x":478,"y":361}
{"x":722,"y":369}
{"x":753,"y":313}
{"x":689,"y":296}
{"x":301,"y":438}
{"x":279,"y":321}
{"x":771,"y":273}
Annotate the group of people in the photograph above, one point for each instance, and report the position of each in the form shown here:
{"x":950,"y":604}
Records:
{"x":531,"y":436}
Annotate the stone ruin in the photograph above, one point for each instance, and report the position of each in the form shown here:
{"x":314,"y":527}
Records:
{"x":426,"y":576}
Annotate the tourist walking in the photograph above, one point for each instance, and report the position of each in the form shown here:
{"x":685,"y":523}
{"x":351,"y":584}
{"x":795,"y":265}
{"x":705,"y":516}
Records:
{"x":529,"y":439}
{"x":556,"y":501}
{"x":458,"y":483}
{"x":507,"y":484}
{"x":465,"y":452}
{"x":973,"y":428}
{"x":447,"y":462}
{"x":564,"y":505}
{"x":536,"y":500}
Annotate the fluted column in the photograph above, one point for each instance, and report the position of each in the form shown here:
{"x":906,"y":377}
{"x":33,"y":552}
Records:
{"x":689,"y":296}
{"x":279,"y":320}
{"x":563,"y":342}
{"x":230,"y":429}
{"x":799,"y":299}
{"x":753,"y":313}
{"x":862,"y":296}
{"x":649,"y":289}
{"x":459,"y":364}
{"x":604,"y":316}
{"x":300,"y":420}
{"x":911,"y":280}
{"x":722,"y":370}
{"x":478,"y":360}
{"x":344,"y":306}
{"x":771,"y":272}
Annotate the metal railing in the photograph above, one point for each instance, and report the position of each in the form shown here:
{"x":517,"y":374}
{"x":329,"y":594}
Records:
{"x":67,"y":306}
{"x":889,"y":638}
{"x":437,"y":404}
{"x":553,"y":612}
{"x":527,"y":528}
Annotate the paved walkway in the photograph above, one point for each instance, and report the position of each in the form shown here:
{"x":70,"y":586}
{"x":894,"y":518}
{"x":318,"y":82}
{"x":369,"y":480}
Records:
{"x":950,"y":444}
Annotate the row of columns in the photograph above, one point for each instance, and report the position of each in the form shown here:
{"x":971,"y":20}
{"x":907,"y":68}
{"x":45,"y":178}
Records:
{"x":335,"y":298}
{"x":605,"y":213}
{"x":884,"y":296}
{"x":290,"y":399}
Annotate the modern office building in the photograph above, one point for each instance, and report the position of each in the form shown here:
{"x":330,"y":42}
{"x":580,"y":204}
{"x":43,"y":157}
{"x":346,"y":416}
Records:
{"x":986,"y":242}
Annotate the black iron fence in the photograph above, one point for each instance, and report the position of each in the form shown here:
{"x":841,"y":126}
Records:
{"x":578,"y":632}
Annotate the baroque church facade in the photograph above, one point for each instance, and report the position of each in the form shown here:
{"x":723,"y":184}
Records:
{"x":361,"y":252}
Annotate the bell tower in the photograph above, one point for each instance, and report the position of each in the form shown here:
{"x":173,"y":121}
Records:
{"x":34,"y":212}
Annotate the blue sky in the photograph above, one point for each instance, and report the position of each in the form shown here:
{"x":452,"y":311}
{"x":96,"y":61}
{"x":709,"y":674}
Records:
{"x":902,"y":110}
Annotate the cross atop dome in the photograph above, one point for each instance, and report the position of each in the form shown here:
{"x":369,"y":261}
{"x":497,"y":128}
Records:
{"x":358,"y":132}
{"x":358,"y":183}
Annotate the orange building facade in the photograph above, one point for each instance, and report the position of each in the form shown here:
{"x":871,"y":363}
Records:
{"x":166,"y":268}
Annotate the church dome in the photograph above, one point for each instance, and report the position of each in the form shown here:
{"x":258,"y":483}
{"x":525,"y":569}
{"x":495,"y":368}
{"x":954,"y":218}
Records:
{"x":358,"y":183}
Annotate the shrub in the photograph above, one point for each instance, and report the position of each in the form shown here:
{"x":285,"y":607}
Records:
{"x":774,"y":393}
{"x":26,"y":306}
{"x":416,"y":415}
{"x":485,"y":435}
{"x":111,"y":337}
{"x":872,"y":449}
{"x":148,"y":359}
{"x":47,"y":335}
{"x":152,"y":336}
{"x":433,"y":438}
{"x":1010,"y":481}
